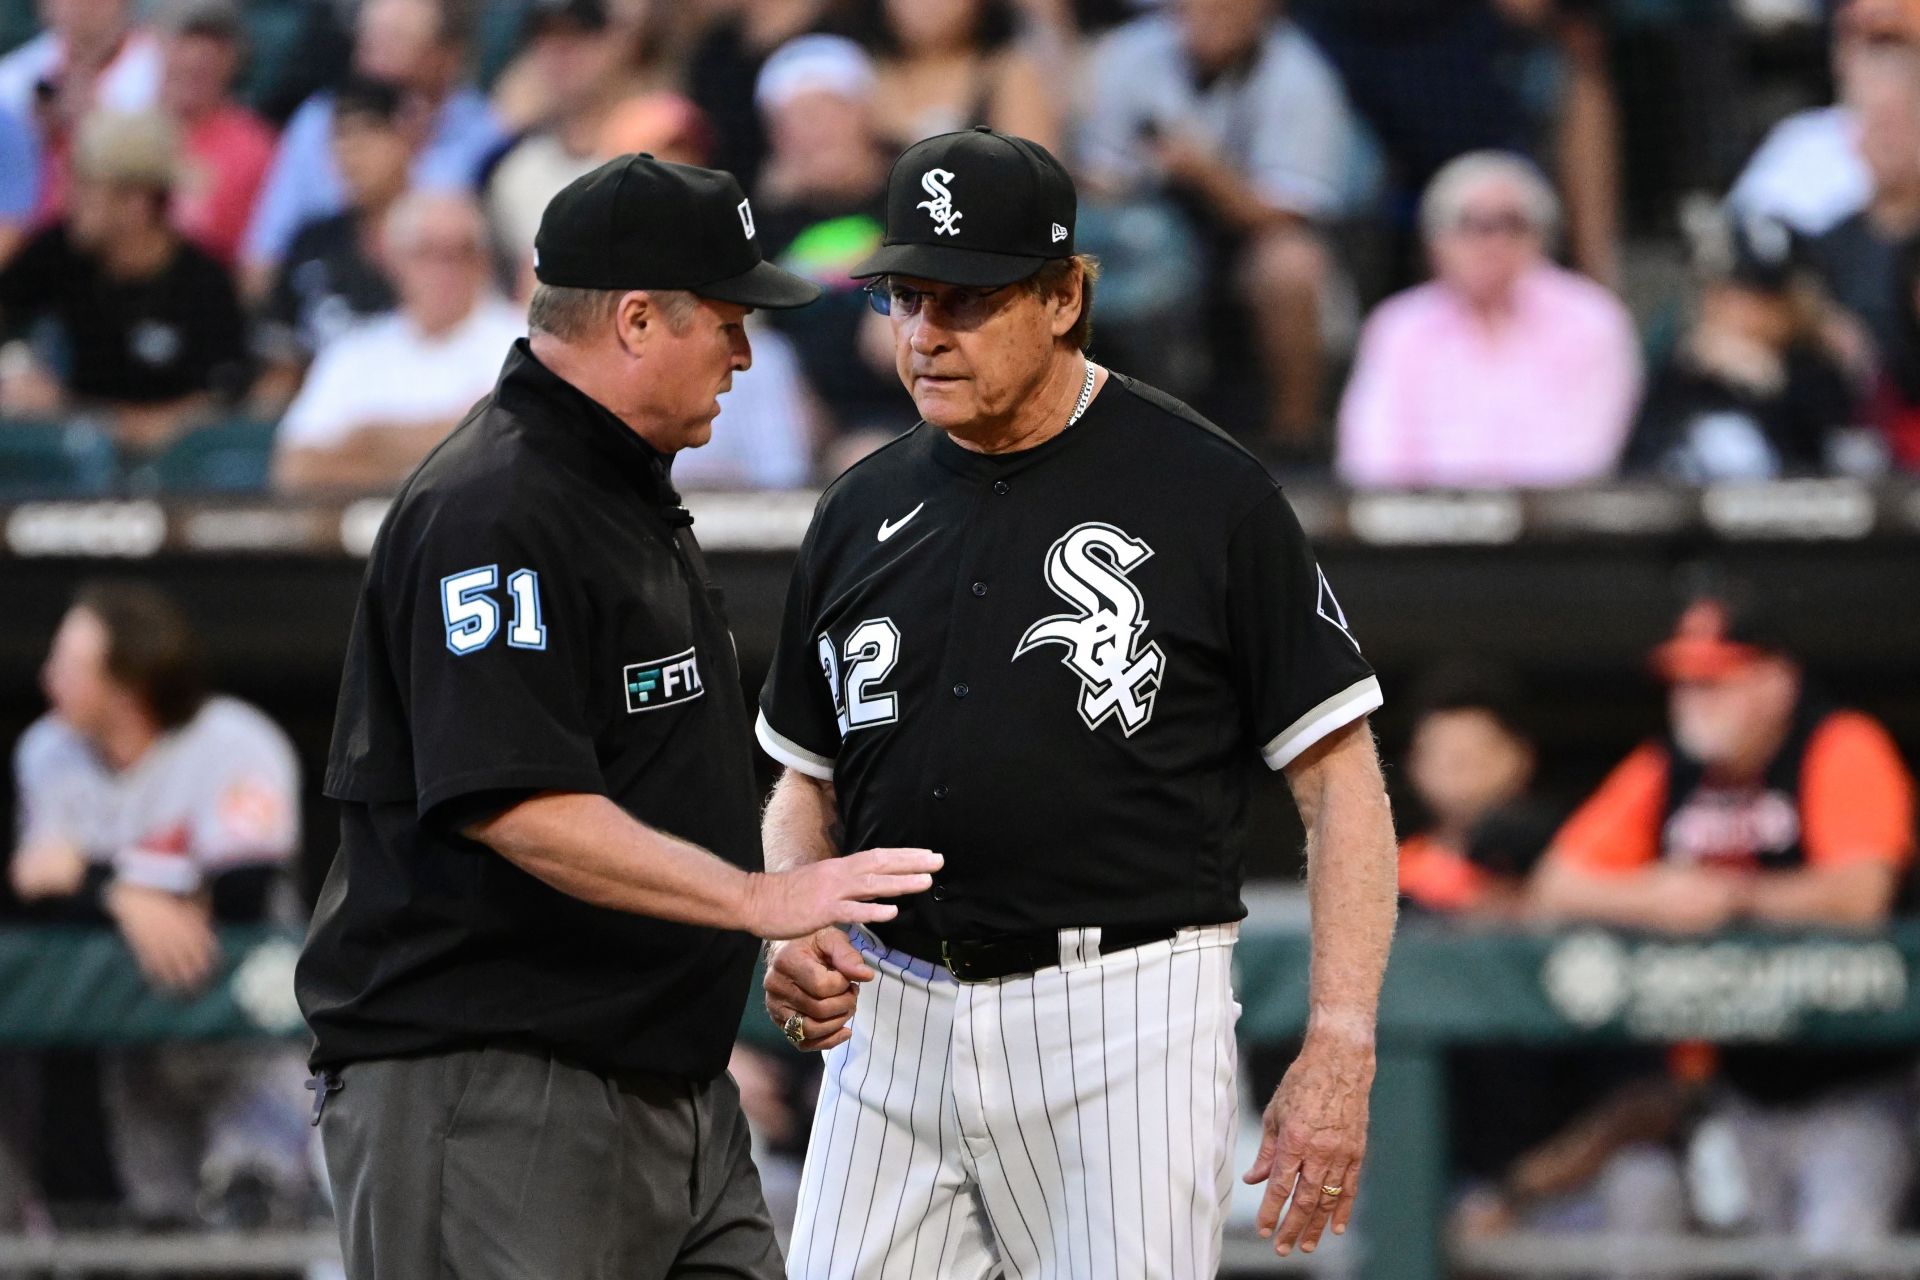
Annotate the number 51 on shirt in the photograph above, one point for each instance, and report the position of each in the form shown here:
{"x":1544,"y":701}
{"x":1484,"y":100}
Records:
{"x":472,"y":616}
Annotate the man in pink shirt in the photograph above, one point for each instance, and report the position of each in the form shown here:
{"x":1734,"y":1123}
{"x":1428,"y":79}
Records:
{"x":1504,"y":369}
{"x":228,"y":147}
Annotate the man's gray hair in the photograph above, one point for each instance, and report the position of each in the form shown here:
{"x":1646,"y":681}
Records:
{"x":1447,"y":195}
{"x":572,"y":315}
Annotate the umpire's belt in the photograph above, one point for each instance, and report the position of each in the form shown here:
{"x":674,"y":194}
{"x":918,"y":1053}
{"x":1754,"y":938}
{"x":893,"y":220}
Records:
{"x":1007,"y":955}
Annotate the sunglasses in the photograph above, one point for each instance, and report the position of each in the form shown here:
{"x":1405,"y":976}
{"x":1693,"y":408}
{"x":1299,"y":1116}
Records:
{"x":963,"y":307}
{"x":1505,"y":223}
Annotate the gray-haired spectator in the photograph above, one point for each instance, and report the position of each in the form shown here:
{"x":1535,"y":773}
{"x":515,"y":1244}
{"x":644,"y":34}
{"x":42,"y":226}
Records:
{"x":1227,"y":111}
{"x":421,"y":45}
{"x":382,"y":395}
{"x":150,"y":330}
{"x":1504,"y":369}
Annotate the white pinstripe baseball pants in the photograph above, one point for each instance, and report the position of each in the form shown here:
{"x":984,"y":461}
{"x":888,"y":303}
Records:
{"x":1073,"y":1123}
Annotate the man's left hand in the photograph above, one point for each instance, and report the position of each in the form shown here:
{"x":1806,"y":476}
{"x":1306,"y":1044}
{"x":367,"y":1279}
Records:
{"x":1314,"y":1136}
{"x":171,"y":936}
{"x":48,"y":871}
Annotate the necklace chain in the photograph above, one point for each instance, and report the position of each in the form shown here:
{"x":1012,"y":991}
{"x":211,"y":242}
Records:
{"x":1086,"y":397}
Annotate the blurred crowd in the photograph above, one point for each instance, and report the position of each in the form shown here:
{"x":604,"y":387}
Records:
{"x":1415,"y":242}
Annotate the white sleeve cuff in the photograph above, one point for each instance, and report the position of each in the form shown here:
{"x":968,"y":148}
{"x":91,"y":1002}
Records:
{"x":791,"y":753}
{"x":168,"y":872}
{"x":1342,"y":708}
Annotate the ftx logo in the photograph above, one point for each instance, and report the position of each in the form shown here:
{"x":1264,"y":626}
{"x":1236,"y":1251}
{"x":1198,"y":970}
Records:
{"x":663,"y":682}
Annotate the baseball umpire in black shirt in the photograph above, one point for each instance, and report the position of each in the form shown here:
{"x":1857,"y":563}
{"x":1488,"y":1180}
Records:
{"x":530,"y":958}
{"x":1050,"y":632}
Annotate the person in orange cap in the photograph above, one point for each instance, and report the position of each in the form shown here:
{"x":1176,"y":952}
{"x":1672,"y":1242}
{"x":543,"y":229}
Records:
{"x":1763,"y":803}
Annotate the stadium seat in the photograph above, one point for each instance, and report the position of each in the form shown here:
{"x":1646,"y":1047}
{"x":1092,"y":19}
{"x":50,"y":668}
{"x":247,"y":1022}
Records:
{"x":54,"y":460}
{"x":227,"y":457}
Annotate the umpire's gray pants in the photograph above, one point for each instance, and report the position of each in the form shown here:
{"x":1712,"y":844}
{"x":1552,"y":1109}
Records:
{"x":506,"y":1164}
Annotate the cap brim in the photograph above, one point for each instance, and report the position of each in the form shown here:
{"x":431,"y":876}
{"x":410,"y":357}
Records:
{"x":948,"y":265}
{"x":1699,"y":659}
{"x":764,"y":285}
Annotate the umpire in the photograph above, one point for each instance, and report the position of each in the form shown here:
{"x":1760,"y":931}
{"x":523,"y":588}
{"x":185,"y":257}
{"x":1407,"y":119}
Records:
{"x":529,"y":961}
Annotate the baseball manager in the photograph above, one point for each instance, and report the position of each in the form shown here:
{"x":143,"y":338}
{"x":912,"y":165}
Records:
{"x":1047,"y":632}
{"x":529,"y":961}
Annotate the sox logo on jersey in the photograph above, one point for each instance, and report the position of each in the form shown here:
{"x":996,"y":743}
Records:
{"x":1088,"y":567}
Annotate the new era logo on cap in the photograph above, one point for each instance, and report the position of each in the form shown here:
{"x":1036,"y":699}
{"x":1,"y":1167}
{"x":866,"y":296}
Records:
{"x":745,"y":210}
{"x":974,"y":208}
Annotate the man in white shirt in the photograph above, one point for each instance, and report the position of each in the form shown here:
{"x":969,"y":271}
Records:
{"x":92,"y":55}
{"x":381,"y":396}
{"x":148,"y":804}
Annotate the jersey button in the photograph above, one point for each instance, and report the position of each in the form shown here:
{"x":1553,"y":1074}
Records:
{"x":940,"y":792}
{"x":979,"y":588}
{"x":960,"y":690}
{"x":939,"y":893}
{"x":1001,"y":486}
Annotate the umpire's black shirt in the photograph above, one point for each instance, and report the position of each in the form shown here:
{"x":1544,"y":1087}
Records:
{"x":534,"y":618}
{"x":1057,"y":667}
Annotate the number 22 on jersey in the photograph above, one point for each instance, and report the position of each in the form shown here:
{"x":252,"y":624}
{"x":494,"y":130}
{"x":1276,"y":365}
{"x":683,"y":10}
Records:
{"x":868,"y":656}
{"x":472,"y":617}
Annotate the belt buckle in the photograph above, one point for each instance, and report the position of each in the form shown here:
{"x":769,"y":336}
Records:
{"x":957,"y":965}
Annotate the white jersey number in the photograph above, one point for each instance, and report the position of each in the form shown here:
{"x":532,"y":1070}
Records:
{"x":472,"y":617}
{"x":871,"y":650}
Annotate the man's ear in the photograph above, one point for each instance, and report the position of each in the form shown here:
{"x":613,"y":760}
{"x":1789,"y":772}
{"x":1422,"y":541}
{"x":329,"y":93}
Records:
{"x":1067,"y":301}
{"x":634,"y":318}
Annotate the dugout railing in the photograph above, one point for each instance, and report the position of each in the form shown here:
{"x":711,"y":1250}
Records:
{"x":75,"y":987}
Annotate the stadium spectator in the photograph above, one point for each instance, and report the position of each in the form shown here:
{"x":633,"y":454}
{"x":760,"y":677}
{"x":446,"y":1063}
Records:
{"x":569,"y":54}
{"x":724,"y":66}
{"x":1858,"y":258}
{"x":1763,"y":803}
{"x":1227,"y":110}
{"x":91,"y":55}
{"x":1808,"y":171}
{"x":566,"y":47}
{"x":1504,"y":369}
{"x":422,"y":45}
{"x":150,"y":328}
{"x":1436,"y":79}
{"x":333,"y":277}
{"x":763,"y":437}
{"x":952,"y":64}
{"x":228,"y":148}
{"x":19,"y":180}
{"x":379,"y":397}
{"x":1750,"y":392}
{"x":148,"y":803}
{"x":819,"y":213}
{"x":1471,"y":766}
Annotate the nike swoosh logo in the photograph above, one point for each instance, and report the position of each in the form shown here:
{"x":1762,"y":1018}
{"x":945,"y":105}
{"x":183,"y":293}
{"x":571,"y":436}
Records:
{"x":890,"y":527}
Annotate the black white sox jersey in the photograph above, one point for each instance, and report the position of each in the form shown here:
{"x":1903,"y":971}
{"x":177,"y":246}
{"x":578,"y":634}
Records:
{"x":1054,"y":666}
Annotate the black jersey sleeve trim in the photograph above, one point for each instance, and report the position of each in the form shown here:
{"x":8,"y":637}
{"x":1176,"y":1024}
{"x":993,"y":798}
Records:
{"x":1343,"y":708}
{"x":790,"y":753}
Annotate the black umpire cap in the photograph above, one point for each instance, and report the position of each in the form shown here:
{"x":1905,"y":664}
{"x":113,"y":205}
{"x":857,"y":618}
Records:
{"x":640,"y":223}
{"x":975,"y":208}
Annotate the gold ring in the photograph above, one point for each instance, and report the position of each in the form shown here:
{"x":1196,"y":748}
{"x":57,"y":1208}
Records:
{"x":1330,"y":1191}
{"x":794,"y":1029}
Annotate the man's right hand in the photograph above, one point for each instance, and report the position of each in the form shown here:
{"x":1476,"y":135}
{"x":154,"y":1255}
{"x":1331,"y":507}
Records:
{"x":814,"y":977}
{"x":171,"y":936}
{"x":836,"y":891}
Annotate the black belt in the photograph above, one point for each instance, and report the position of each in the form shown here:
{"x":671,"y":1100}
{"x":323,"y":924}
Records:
{"x":1007,"y":955}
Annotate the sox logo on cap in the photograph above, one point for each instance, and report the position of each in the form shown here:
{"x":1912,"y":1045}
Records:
{"x":940,"y":207}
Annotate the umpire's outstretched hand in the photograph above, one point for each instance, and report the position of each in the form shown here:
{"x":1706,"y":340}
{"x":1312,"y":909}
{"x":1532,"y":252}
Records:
{"x":814,"y":977}
{"x":819,"y":895}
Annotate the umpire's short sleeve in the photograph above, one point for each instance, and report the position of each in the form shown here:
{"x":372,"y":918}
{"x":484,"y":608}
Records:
{"x":798,"y":725}
{"x":492,"y":617}
{"x":1298,"y":668}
